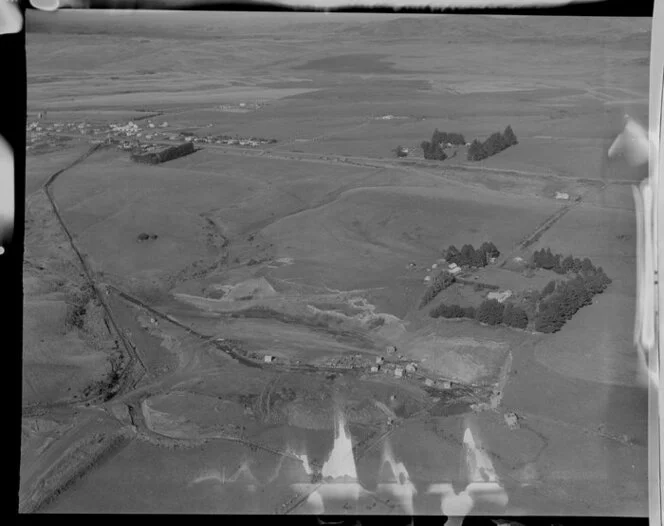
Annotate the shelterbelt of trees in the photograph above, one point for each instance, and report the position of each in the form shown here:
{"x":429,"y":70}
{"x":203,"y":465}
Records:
{"x":433,"y":149}
{"x":497,"y":142}
{"x":478,"y":150}
{"x":470,"y":256}
{"x":562,"y":299}
{"x":545,"y":311}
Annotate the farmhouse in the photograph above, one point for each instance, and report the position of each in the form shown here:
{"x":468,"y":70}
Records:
{"x":268,"y":359}
{"x":500,"y":296}
{"x":398,"y":372}
{"x":375,"y":368}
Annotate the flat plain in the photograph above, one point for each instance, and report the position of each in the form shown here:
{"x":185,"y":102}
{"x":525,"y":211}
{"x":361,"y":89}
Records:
{"x":196,"y":331}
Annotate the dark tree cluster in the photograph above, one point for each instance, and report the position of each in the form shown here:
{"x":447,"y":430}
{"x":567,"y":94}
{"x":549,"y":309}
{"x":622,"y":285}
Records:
{"x":439,"y":137}
{"x":471,"y":257}
{"x":570,"y":296}
{"x":440,"y":283}
{"x":433,"y":149}
{"x":491,"y":312}
{"x":452,"y":311}
{"x":497,"y":142}
{"x":547,"y":260}
{"x":400,"y":151}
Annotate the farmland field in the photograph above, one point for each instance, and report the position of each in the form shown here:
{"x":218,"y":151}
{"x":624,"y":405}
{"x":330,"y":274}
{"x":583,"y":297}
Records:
{"x":242,"y":329}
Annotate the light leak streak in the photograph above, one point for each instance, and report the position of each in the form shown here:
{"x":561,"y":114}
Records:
{"x":484,"y":485}
{"x":400,"y":487}
{"x":7,"y":205}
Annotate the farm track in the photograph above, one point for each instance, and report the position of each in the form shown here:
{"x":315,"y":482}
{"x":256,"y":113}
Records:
{"x":129,"y":377}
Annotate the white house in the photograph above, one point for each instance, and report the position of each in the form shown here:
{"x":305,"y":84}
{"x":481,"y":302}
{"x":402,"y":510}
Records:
{"x":268,"y":359}
{"x":398,"y":372}
{"x":500,"y":296}
{"x":452,"y":266}
{"x":455,"y":270}
{"x":562,"y":195}
{"x":375,"y":368}
{"x":411,"y":368}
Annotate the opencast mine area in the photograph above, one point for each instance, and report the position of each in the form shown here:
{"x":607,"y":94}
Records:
{"x":286,"y":263}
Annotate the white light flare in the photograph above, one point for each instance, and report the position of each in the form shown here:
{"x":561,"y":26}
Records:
{"x":400,"y":487}
{"x":484,"y":485}
{"x":341,"y":462}
{"x":11,"y":20}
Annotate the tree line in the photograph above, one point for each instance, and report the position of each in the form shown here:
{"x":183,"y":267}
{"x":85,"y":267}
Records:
{"x":561,"y":300}
{"x":471,"y":257}
{"x":491,"y":312}
{"x":497,"y":142}
{"x":440,"y":282}
{"x":433,"y":149}
{"x":551,"y":307}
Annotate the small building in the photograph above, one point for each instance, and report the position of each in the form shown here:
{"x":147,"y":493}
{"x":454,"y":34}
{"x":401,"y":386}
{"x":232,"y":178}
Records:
{"x":398,"y":372}
{"x":512,"y":420}
{"x":375,"y":368}
{"x":411,"y":368}
{"x":452,"y":266}
{"x":446,"y":384}
{"x":380,"y":360}
{"x":427,"y":279}
{"x":429,"y":382}
{"x":434,"y":266}
{"x":268,"y":359}
{"x":455,"y":270}
{"x":562,"y":195}
{"x":500,"y":296}
{"x":391,"y":349}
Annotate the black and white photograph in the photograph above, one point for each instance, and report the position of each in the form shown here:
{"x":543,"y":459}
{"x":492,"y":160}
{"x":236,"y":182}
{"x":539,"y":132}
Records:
{"x":333,"y":263}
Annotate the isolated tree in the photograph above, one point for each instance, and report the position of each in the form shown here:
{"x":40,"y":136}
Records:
{"x":509,"y":136}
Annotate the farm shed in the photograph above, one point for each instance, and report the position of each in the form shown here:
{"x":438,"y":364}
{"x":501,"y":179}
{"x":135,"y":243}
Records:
{"x":165,"y":155}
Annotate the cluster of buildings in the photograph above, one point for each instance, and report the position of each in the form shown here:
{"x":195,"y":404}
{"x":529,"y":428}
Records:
{"x":251,"y":142}
{"x":131,"y":136}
